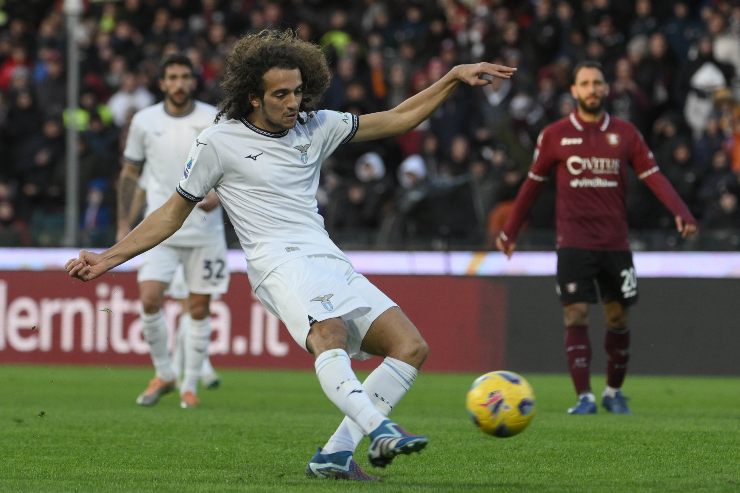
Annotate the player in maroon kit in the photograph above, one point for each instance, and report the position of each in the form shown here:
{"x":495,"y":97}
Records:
{"x":588,"y":153}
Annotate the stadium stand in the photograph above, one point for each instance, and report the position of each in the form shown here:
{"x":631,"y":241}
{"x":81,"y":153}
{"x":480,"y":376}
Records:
{"x":675,"y":68}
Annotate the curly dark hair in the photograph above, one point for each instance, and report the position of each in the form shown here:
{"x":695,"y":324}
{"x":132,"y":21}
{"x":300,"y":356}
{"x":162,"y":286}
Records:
{"x":255,"y":54}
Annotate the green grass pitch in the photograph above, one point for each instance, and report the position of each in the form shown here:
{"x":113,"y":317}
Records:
{"x":78,"y":429}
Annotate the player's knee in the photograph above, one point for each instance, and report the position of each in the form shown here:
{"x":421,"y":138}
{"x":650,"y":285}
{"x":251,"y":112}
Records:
{"x":412,"y":351}
{"x":199,"y":311}
{"x":151,"y":305}
{"x":199,"y":306}
{"x":616,"y":317}
{"x":575,"y":314}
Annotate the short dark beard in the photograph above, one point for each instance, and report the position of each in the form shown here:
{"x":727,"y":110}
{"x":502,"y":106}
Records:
{"x":593,"y":110}
{"x":188,"y":100}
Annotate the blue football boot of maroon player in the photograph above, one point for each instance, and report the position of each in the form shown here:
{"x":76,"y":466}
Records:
{"x":586,"y":405}
{"x":616,"y":404}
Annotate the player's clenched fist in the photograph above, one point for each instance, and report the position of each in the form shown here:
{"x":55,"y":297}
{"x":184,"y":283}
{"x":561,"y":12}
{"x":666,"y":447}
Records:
{"x":86,"y":267}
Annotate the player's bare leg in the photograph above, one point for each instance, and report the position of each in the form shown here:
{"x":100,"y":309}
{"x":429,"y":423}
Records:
{"x":578,"y":353}
{"x":155,"y":332}
{"x":616,"y":344}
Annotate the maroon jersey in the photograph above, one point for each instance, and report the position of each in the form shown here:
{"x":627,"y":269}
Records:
{"x":589,"y":162}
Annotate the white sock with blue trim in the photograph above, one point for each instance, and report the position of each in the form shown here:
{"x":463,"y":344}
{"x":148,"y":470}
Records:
{"x":341,"y":386}
{"x":385,"y":386}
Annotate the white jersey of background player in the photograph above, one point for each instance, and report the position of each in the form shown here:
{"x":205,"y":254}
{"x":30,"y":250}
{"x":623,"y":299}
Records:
{"x":299,"y":274}
{"x":158,"y":139}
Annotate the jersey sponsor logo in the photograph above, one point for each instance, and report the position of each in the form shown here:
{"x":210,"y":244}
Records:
{"x":253,"y":157}
{"x":325,"y":301}
{"x":567,"y":141}
{"x":303,"y":149}
{"x":199,"y":143}
{"x":597,"y":165}
{"x":291,"y":249}
{"x":188,"y":167}
{"x":345,"y":119}
{"x":592,"y":183}
{"x":612,"y":139}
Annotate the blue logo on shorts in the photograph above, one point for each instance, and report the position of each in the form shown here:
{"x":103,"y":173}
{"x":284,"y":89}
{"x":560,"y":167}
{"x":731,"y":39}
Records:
{"x":324,"y":299}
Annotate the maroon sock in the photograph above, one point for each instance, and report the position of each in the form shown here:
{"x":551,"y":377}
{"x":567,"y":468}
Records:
{"x":578,"y":352}
{"x":617,"y":345}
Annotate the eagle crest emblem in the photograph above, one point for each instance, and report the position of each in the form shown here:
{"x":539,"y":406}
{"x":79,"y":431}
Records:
{"x":325,"y":301}
{"x":303,"y":149}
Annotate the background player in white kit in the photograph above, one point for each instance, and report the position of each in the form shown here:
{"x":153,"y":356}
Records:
{"x":177,"y":290}
{"x":264,"y":163}
{"x":159,"y":138}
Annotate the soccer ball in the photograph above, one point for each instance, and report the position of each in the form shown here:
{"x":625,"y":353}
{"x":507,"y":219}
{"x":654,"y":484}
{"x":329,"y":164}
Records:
{"x":501,"y":403}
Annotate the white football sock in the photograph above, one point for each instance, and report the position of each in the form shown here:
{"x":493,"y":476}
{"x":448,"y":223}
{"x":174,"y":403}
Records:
{"x":589,"y":395}
{"x":155,"y":332}
{"x":196,"y":349}
{"x":341,"y":386}
{"x":610,"y":391}
{"x":207,"y":368}
{"x":178,"y":358}
{"x":178,"y":349}
{"x":385,"y":386}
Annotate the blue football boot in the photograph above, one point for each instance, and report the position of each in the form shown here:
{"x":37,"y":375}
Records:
{"x":586,"y":405}
{"x":616,"y":404}
{"x":389,"y":440}
{"x":339,"y":465}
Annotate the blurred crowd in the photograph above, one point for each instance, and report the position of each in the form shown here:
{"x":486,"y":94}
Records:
{"x":674,"y":69}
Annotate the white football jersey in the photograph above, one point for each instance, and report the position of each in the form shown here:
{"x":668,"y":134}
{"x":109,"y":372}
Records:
{"x":161,"y":142}
{"x":267,"y":183}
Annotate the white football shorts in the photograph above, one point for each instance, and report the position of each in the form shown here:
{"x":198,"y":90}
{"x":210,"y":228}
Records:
{"x":205,"y":268}
{"x":319,"y":287}
{"x":178,"y":288}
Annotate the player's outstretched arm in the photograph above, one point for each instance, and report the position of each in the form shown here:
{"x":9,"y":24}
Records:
{"x":411,"y":112}
{"x":154,"y":229}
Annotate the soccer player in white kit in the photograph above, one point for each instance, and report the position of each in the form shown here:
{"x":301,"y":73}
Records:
{"x":264,"y":162}
{"x":177,"y":290}
{"x":159,"y":138}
